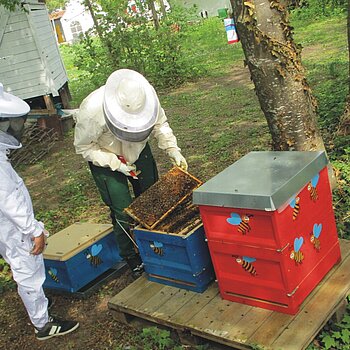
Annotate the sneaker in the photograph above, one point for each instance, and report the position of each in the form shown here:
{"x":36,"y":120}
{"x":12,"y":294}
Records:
{"x":136,"y":266}
{"x":137,"y":271}
{"x":55,"y":328}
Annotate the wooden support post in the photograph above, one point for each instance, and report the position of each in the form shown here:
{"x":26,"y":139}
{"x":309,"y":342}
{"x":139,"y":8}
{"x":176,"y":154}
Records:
{"x":65,"y":96}
{"x":52,"y":121}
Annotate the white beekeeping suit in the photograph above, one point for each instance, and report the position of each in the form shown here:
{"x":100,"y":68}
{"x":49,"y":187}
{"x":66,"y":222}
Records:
{"x":18,"y":227}
{"x":22,"y":237}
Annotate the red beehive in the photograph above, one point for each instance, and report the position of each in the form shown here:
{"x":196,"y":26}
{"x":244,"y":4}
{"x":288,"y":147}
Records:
{"x":270,"y":228}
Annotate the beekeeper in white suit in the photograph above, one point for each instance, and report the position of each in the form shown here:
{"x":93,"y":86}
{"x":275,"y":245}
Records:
{"x":112,"y":130}
{"x":22,"y":237}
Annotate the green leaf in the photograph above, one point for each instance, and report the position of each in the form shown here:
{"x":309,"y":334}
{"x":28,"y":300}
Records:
{"x":345,"y":336}
{"x":336,"y":335}
{"x":328,"y":341}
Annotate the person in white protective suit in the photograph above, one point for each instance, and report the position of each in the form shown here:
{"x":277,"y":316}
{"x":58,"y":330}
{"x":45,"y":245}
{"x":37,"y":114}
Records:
{"x":112,"y":129}
{"x":22,"y":237}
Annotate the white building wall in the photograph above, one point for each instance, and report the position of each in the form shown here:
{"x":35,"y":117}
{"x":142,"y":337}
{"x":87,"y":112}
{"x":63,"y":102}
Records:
{"x":211,"y":6}
{"x":76,"y":20}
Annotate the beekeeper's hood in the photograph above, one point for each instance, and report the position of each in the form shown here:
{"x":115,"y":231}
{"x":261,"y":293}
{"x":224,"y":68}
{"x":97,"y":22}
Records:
{"x":12,"y":113}
{"x":130,"y":105}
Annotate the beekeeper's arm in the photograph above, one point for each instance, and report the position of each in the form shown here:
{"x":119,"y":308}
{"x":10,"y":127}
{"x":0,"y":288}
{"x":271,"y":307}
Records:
{"x":89,"y":127}
{"x":17,"y":207}
{"x":167,"y":141}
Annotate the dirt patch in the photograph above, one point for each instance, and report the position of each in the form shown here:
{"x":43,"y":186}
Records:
{"x":53,"y":184}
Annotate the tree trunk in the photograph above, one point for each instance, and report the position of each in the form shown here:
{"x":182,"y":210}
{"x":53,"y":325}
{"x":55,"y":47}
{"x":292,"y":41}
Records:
{"x":162,"y":8}
{"x":154,"y":14}
{"x":103,"y":39}
{"x":275,"y":65}
{"x":344,"y":124}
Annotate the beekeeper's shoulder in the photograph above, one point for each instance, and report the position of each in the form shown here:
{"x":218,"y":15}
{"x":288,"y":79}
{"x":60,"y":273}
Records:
{"x":92,"y":105}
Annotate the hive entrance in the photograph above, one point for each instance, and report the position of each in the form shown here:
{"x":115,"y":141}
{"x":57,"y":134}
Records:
{"x":167,"y":205}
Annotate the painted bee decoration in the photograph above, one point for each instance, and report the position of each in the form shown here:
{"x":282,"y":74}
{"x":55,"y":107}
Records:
{"x":157,"y":247}
{"x":294,"y":203}
{"x":312,"y":187}
{"x":92,"y":255}
{"x":246,"y":263}
{"x":53,"y":274}
{"x":315,"y":236}
{"x":242,"y":223}
{"x":297,"y":255}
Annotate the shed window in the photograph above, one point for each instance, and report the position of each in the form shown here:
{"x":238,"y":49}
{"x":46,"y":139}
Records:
{"x":76,"y":29}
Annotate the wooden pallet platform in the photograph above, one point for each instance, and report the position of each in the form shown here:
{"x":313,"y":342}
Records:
{"x":239,"y":326}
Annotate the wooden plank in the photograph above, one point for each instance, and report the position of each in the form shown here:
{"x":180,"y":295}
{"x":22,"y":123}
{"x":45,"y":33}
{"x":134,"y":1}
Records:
{"x":129,"y":291}
{"x":319,"y":308}
{"x":13,"y":27}
{"x":17,"y":49}
{"x":60,"y":79}
{"x":277,"y":322}
{"x":36,"y":7}
{"x":22,"y":71}
{"x":270,"y":329}
{"x":157,"y":300}
{"x":211,"y":312}
{"x":194,"y":305}
{"x":137,"y":297}
{"x":178,"y":300}
{"x":31,"y":91}
{"x":4,"y":20}
{"x":44,"y":32}
{"x":24,"y":77}
{"x":7,"y":66}
{"x":208,"y":323}
{"x":18,"y":42}
{"x":252,"y":319}
{"x":20,"y":58}
{"x":13,"y":36}
{"x":237,"y":325}
{"x":17,"y":17}
{"x":27,"y":85}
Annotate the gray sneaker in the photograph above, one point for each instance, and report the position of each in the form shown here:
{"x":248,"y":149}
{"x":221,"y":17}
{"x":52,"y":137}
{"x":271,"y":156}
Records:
{"x":55,"y":327}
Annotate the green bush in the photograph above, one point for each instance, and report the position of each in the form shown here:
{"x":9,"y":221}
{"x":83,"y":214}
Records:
{"x":341,"y":163}
{"x":125,"y":41}
{"x":315,"y":9}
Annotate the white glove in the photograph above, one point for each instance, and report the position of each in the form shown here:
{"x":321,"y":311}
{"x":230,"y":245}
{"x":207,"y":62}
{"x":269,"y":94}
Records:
{"x":126,"y":169}
{"x":178,"y":159}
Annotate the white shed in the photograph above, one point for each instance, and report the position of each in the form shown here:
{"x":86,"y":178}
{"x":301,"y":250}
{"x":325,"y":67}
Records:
{"x":30,"y":61}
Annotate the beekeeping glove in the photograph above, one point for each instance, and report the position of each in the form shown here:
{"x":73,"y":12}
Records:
{"x":126,"y":169}
{"x":177,"y":158}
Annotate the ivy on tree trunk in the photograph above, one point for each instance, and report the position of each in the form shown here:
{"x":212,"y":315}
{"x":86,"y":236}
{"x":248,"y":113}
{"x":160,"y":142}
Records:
{"x":275,"y":65}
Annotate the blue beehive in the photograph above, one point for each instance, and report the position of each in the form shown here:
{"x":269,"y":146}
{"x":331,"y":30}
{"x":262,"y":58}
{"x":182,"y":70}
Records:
{"x":181,"y":261}
{"x":78,"y":255}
